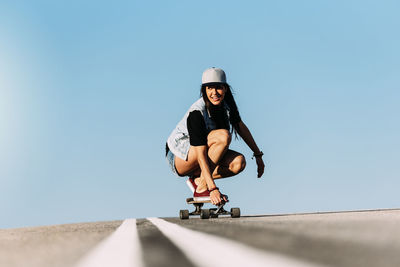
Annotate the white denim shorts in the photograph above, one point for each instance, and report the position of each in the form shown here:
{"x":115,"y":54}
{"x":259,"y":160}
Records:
{"x":170,"y":157}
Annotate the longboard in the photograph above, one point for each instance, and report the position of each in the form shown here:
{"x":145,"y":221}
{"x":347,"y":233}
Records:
{"x":207,"y":213}
{"x":190,"y":200}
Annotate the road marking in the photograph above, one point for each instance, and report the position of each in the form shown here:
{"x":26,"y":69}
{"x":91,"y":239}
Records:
{"x":121,"y":248}
{"x":206,"y":250}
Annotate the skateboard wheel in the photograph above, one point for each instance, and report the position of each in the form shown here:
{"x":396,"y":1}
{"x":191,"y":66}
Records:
{"x":205,"y":214}
{"x":184,"y":214}
{"x":235,"y":212}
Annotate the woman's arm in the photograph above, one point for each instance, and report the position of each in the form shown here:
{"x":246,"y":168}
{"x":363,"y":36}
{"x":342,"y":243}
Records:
{"x":202,"y":158}
{"x":244,"y":132}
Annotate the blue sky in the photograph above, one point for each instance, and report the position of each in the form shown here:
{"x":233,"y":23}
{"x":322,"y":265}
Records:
{"x":90,"y":91}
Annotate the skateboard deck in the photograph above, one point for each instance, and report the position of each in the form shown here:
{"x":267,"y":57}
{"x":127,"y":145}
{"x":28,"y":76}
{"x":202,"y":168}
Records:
{"x":190,"y":200}
{"x":207,"y":213}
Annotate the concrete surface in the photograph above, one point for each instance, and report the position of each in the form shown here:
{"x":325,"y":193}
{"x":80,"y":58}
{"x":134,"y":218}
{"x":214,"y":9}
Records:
{"x":55,"y":246}
{"x":364,"y":238}
{"x":361,"y":238}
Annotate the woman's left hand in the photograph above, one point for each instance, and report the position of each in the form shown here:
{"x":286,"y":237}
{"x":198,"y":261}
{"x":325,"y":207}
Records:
{"x":260,"y":166}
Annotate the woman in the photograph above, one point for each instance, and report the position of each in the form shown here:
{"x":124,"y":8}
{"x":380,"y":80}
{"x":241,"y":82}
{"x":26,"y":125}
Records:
{"x":199,"y":145}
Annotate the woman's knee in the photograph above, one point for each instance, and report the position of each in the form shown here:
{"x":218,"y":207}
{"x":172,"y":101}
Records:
{"x":221,"y":137}
{"x":238,"y":164}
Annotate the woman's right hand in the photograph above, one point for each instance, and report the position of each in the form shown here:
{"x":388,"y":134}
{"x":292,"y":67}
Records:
{"x":215,"y":197}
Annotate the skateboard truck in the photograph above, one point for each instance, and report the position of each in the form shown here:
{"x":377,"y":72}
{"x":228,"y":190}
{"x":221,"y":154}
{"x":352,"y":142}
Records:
{"x":207,"y":213}
{"x":220,"y":207}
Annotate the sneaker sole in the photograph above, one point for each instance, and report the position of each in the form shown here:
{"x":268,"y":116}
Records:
{"x":201,"y":198}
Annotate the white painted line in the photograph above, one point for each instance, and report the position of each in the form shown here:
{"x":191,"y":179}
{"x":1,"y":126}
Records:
{"x":206,"y":250}
{"x":121,"y":248}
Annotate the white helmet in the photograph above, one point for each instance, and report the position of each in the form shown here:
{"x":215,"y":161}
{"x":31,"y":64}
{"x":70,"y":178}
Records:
{"x":213,"y":75}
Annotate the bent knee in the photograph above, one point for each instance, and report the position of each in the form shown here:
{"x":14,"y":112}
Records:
{"x":238,"y":164}
{"x":221,"y":137}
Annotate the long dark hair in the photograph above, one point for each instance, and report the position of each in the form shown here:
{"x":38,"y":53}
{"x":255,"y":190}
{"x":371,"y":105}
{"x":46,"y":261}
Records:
{"x":228,"y":99}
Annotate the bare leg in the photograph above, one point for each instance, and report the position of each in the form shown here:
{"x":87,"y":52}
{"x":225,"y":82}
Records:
{"x":223,"y":162}
{"x":218,"y":142}
{"x":231,"y":164}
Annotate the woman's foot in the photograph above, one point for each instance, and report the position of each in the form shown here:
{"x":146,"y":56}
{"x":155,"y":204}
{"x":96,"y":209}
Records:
{"x":201,"y":185}
{"x":203,"y":196}
{"x":196,"y":185}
